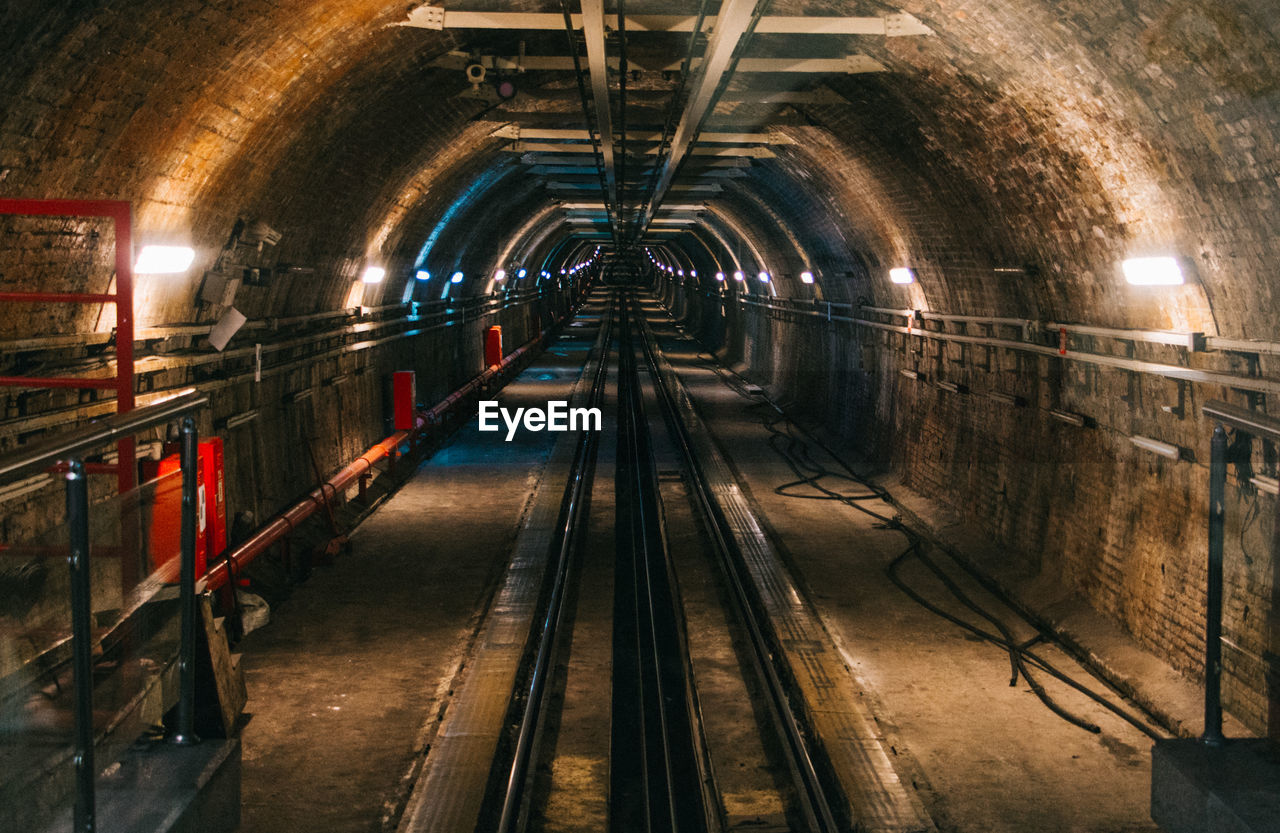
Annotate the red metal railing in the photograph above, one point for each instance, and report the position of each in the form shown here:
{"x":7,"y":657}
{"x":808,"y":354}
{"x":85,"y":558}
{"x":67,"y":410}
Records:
{"x":122,"y":213}
{"x":277,"y":528}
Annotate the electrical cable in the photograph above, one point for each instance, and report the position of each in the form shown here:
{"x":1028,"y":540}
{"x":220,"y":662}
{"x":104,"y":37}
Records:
{"x":796,"y":451}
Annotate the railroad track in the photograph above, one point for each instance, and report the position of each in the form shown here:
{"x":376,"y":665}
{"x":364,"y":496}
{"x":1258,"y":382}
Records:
{"x":668,"y":768}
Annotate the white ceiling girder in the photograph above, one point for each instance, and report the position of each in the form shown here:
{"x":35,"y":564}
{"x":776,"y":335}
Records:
{"x":892,"y":25}
{"x":742,"y":152}
{"x":515,"y":131}
{"x":587,"y":206}
{"x":850,"y":64}
{"x":593,"y":29}
{"x":731,"y":26}
{"x":701,"y":163}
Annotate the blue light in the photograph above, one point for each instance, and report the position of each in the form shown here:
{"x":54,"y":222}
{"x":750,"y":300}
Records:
{"x":521,"y":273}
{"x":423,"y":275}
{"x":457,"y":278}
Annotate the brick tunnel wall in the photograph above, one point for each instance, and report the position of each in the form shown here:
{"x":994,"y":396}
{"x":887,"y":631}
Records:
{"x":1077,"y":507}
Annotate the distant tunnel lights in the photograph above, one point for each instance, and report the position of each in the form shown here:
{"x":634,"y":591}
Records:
{"x":457,"y":278}
{"x":374,"y":274}
{"x":902,"y":275}
{"x":423,"y":275}
{"x":738,"y":276}
{"x":1152,"y":271}
{"x":806,"y":277}
{"x":500,"y":275}
{"x":764,"y":277}
{"x":522,"y":273}
{"x":720,"y":276}
{"x":164,"y":260}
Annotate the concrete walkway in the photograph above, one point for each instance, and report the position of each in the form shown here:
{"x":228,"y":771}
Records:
{"x":345,"y":682}
{"x":985,"y":756}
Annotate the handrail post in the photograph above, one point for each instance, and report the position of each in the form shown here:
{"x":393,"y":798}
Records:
{"x":186,"y":734}
{"x":83,"y":819}
{"x":1213,"y":614}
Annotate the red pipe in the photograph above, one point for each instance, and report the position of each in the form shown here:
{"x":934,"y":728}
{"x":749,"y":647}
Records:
{"x":258,"y":543}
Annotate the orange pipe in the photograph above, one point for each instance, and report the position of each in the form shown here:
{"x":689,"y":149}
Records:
{"x":258,"y":543}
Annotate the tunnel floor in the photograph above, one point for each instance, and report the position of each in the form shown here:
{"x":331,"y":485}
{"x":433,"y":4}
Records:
{"x":348,"y":682}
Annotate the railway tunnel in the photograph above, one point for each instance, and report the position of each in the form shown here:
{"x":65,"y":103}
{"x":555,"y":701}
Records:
{"x":740,"y":415}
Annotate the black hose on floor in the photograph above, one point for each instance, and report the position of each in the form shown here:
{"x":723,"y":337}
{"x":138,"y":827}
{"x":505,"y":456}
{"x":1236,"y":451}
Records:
{"x":797,"y":451}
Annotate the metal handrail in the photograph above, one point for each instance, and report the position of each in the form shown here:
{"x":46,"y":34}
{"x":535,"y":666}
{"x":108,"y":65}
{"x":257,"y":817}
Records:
{"x":1252,"y":424}
{"x":39,"y":456}
{"x":69,"y":450}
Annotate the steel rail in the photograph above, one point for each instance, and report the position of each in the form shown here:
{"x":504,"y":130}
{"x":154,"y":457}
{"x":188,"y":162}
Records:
{"x":569,"y":527}
{"x":814,"y":804}
{"x":673,"y":757}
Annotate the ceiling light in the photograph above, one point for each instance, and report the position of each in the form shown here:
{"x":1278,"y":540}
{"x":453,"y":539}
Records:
{"x":806,"y":277}
{"x":764,"y":277}
{"x":902,"y":275}
{"x":521,"y":273}
{"x":1152,"y":271}
{"x":164,"y":260}
{"x":374,"y":274}
{"x":457,"y":278}
{"x":500,"y":275}
{"x":738,"y":276}
{"x":720,"y":276}
{"x":423,"y":275}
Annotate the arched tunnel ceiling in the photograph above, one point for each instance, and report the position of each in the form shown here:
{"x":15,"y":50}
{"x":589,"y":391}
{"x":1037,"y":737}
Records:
{"x":1012,"y":152}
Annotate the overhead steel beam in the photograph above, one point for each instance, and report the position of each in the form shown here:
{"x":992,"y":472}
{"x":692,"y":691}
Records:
{"x":743,"y":152}
{"x":600,"y":205}
{"x":850,"y":64}
{"x":701,"y":163}
{"x":731,"y":26}
{"x":593,"y":30}
{"x":891,"y":25}
{"x":514,"y":131}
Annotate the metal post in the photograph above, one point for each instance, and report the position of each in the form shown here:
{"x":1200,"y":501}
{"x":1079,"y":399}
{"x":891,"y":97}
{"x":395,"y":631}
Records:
{"x":82,"y":645}
{"x":186,"y":733}
{"x":1213,"y":615}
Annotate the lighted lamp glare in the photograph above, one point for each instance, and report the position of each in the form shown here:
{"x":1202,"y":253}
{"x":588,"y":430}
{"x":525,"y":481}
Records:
{"x":738,"y":276}
{"x":720,"y":276}
{"x":764,"y":277}
{"x":423,"y":275}
{"x":374,"y":274}
{"x":806,"y":277}
{"x":902,"y":275}
{"x":457,"y":278}
{"x":1152,"y":271}
{"x":164,"y":260}
{"x":500,"y":275}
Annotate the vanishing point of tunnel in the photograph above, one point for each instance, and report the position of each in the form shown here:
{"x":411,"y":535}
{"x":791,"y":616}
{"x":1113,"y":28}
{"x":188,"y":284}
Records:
{"x":664,"y":415}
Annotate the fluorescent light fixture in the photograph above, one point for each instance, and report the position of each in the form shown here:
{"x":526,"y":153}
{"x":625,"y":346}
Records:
{"x":806,"y":277}
{"x":457,"y":278}
{"x":423,"y":275}
{"x":1152,"y":271}
{"x":720,"y":276}
{"x":374,"y":274}
{"x":738,"y":276}
{"x":164,"y":260}
{"x":764,"y":277}
{"x":500,"y":275}
{"x":902,"y":274}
